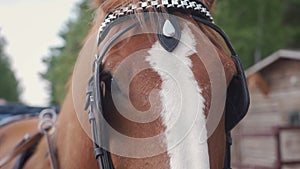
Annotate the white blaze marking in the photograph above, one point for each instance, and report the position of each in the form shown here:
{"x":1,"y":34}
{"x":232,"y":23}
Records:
{"x":181,"y":98}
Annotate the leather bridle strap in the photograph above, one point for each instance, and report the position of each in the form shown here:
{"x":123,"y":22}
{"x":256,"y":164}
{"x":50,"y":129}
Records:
{"x":218,"y":30}
{"x":22,"y":146}
{"x":227,"y":161}
{"x":100,"y":154}
{"x":94,"y":100}
{"x":27,"y":143}
{"x":51,"y":151}
{"x":47,"y":120}
{"x":111,"y":41}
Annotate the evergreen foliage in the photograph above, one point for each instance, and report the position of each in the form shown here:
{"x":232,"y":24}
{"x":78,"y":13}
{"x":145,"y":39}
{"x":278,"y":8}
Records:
{"x":8,"y":83}
{"x":256,"y":28}
{"x":61,"y":62}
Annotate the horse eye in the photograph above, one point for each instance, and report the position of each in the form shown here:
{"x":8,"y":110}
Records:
{"x":106,"y":77}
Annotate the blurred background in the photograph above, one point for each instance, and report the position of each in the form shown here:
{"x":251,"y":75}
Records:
{"x":28,"y":31}
{"x":40,"y":41}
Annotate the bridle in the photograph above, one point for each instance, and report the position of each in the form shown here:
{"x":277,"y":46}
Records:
{"x":237,"y":100}
{"x":199,"y":13}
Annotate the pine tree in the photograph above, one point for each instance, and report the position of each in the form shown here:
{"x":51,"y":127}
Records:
{"x":258,"y":28}
{"x":8,"y":83}
{"x":62,"y":59}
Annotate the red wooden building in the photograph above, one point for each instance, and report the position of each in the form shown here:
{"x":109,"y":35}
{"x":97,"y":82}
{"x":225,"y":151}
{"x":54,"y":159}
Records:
{"x":269,"y":136}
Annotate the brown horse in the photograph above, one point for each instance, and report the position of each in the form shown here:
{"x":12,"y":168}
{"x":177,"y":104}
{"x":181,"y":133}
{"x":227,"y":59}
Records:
{"x":147,"y":91}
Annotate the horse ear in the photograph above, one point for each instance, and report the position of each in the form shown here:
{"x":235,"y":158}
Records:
{"x":209,"y":3}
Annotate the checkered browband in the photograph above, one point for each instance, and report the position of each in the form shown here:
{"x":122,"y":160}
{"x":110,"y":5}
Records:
{"x":189,"y":6}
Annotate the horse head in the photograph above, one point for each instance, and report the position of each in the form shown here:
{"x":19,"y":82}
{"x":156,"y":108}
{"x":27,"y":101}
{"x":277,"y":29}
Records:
{"x":157,"y":76}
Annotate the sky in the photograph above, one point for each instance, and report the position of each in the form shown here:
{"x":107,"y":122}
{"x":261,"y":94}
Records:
{"x":30,"y":28}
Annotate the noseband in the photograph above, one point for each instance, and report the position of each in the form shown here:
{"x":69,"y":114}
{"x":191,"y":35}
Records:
{"x":237,"y":101}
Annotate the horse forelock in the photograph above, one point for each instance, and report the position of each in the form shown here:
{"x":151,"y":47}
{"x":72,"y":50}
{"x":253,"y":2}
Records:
{"x":105,"y":6}
{"x":112,"y":3}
